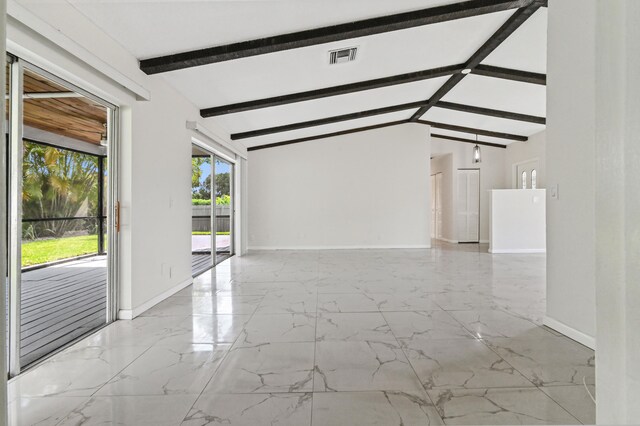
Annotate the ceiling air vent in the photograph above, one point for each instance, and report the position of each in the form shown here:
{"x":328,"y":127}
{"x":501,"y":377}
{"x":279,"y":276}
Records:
{"x":342,"y":56}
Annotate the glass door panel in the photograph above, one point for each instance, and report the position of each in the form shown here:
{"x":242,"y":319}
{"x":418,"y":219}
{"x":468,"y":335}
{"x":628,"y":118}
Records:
{"x":60,"y":200}
{"x":202,"y":248}
{"x":224,"y":209}
{"x":5,"y":195}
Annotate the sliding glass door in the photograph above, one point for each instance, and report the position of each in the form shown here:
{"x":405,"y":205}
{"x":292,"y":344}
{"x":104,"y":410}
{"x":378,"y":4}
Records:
{"x":62,"y":214}
{"x":212,"y":210}
{"x":223,"y":209}
{"x":202,"y":242}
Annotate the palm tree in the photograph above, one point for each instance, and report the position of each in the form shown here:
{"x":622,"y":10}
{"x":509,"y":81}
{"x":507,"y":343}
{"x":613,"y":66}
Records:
{"x":57,"y":183}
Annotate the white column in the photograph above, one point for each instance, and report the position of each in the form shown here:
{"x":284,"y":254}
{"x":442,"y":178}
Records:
{"x":618,"y":211}
{"x":570,"y":163}
{"x":593,"y":154}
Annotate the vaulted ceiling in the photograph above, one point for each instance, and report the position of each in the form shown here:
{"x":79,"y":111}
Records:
{"x":260,"y":69}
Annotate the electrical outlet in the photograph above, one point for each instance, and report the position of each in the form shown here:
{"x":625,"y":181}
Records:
{"x":555,"y":195}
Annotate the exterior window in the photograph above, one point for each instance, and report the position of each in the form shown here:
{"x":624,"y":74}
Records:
{"x":533,"y":178}
{"x":524,"y":180}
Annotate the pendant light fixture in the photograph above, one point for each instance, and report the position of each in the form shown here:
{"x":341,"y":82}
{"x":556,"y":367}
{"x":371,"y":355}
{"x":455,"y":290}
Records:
{"x":476,"y":152}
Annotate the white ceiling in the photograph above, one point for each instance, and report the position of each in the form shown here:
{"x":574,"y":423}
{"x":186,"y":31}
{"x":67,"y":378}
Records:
{"x":159,"y":27}
{"x":296,"y":70}
{"x":526,"y":49}
{"x":497,"y":93}
{"x":332,"y":106}
{"x":327,"y":128}
{"x":150,"y":28}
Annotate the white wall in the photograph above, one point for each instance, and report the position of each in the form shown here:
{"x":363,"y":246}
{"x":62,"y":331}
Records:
{"x":444,"y":164}
{"x":368,"y":189}
{"x":594,"y":227}
{"x":492,"y":175}
{"x":155,"y":165}
{"x":518,"y":222}
{"x":617,"y":199}
{"x":570,"y":164}
{"x":520,"y":152}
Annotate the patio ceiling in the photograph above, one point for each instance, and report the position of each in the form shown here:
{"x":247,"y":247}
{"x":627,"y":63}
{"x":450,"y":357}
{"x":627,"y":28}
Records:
{"x":55,"y":109}
{"x":260,"y":70}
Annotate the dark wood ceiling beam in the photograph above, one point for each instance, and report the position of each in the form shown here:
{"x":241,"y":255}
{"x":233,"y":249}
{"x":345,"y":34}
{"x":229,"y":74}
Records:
{"x":484,"y":70}
{"x":332,"y":91}
{"x":514,"y":22}
{"x":326,"y":135}
{"x":473,"y":130}
{"x":491,"y":112}
{"x":363,"y":129}
{"x":386,"y":110}
{"x":510,"y":74}
{"x":453,"y":138}
{"x":440,"y":93}
{"x":328,"y":34}
{"x":326,"y":120}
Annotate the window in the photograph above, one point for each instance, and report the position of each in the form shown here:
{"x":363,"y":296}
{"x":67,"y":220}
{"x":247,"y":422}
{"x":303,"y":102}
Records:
{"x":534,"y":175}
{"x":524,"y":180}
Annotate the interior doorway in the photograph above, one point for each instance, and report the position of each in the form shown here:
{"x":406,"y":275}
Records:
{"x":468,"y":205}
{"x":212,"y":218}
{"x":436,"y":206}
{"x":62,"y":211}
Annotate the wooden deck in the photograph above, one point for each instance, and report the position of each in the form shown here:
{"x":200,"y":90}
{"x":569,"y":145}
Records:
{"x":63,"y":302}
{"x":200,"y":262}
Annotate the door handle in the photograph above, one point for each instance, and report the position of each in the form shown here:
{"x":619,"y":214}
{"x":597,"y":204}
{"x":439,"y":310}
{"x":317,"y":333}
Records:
{"x":117,"y":216}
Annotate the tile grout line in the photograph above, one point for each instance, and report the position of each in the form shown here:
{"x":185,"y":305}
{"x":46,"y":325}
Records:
{"x":411,"y":365}
{"x":223,"y":358}
{"x":484,"y":342}
{"x":93,"y":394}
{"x":560,"y":405}
{"x":315,"y":345}
{"x":121,"y":370}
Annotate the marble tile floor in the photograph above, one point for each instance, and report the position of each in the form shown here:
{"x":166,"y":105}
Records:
{"x":450,"y":335}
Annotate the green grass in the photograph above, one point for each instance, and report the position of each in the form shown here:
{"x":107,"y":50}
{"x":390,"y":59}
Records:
{"x":43,"y":251}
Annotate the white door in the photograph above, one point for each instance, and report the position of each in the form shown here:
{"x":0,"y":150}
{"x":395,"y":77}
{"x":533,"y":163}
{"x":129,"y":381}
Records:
{"x":468,"y":205}
{"x":433,"y":206}
{"x":436,"y":205}
{"x":527,"y":175}
{"x":439,"y":205}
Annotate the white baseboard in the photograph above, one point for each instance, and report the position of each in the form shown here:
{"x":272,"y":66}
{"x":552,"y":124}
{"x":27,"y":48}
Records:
{"x":484,"y":241}
{"x":128,"y":314}
{"x":362,"y":247}
{"x":570,"y":332}
{"x":516,"y":251}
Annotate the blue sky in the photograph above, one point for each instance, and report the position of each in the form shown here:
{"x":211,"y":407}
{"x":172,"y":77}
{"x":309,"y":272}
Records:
{"x":221,"y":167}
